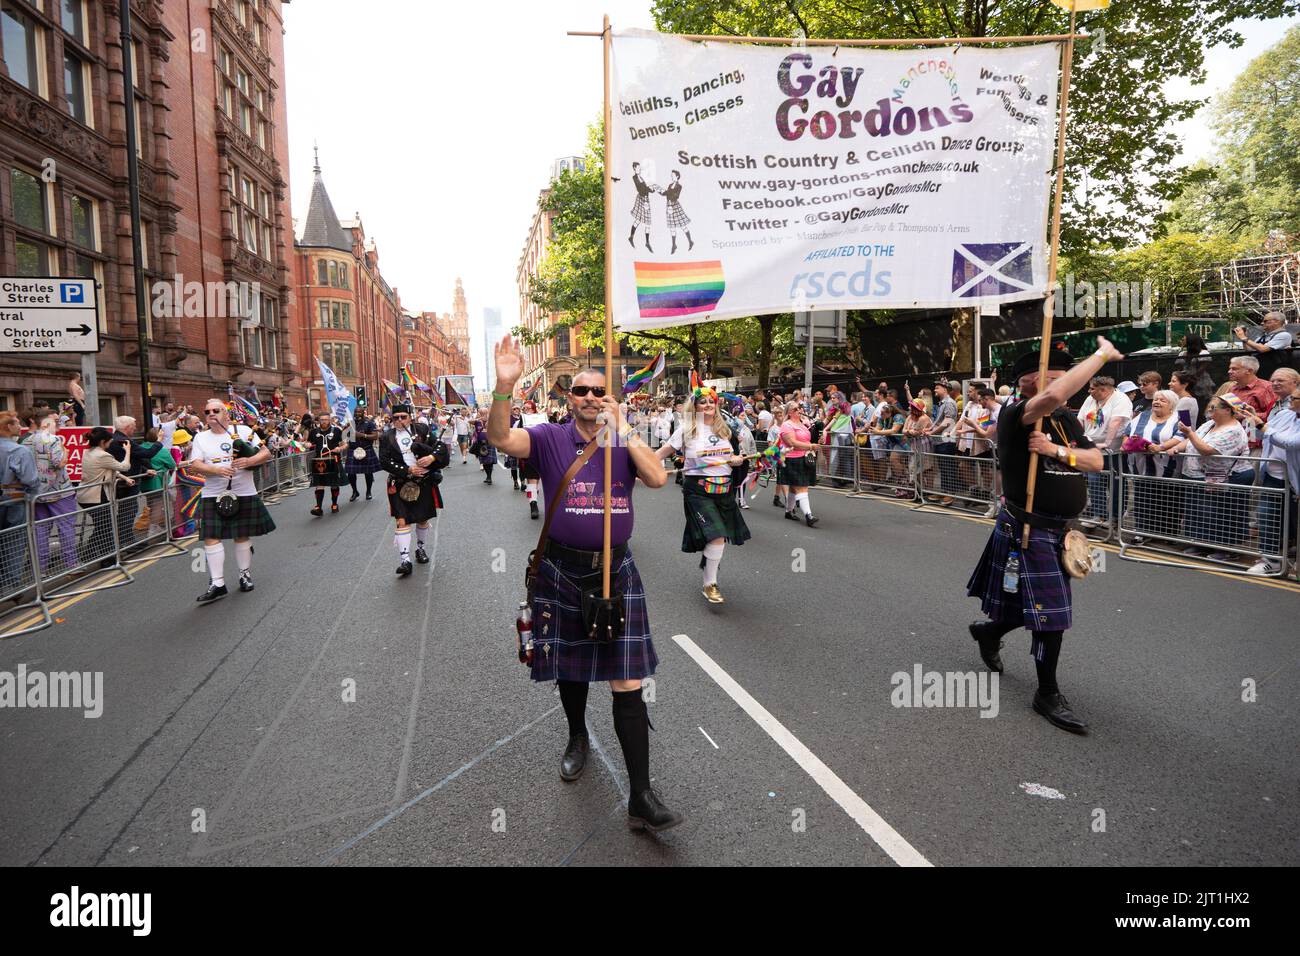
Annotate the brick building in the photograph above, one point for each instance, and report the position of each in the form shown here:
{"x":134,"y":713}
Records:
{"x":212,"y":146}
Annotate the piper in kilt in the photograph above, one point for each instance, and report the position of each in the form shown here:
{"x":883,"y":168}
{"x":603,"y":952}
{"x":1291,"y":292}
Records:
{"x":414,"y":459}
{"x":570,"y":567}
{"x":226,"y":455}
{"x":368,"y":462}
{"x":710,"y":451}
{"x":326,"y":440}
{"x":1028,"y":587}
{"x":798,"y":468}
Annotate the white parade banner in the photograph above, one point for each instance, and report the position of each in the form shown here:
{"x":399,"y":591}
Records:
{"x":750,"y":179}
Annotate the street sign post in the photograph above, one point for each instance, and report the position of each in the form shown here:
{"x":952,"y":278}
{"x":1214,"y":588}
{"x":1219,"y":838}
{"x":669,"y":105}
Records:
{"x":48,"y":314}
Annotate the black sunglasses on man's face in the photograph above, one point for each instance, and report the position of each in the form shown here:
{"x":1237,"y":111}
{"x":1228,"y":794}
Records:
{"x":580,"y":391}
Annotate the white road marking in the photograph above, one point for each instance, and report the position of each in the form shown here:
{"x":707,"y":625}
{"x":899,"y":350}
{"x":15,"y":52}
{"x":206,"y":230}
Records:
{"x":1038,"y":790}
{"x":708,"y":738}
{"x":886,"y":837}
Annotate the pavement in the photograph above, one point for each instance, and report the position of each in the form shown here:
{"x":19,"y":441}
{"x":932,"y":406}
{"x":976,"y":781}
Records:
{"x":339,"y":715}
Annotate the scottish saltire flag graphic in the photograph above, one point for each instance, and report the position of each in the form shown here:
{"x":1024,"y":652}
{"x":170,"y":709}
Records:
{"x":670,"y":289}
{"x":992,"y":268}
{"x":341,"y":401}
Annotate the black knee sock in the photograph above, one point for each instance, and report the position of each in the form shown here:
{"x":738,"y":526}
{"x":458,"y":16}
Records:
{"x":352,"y":480}
{"x":996,"y":628}
{"x":320,"y":496}
{"x":573,"y":695}
{"x":632,"y":724}
{"x":1046,"y":651}
{"x":370,"y":482}
{"x":334,"y":496}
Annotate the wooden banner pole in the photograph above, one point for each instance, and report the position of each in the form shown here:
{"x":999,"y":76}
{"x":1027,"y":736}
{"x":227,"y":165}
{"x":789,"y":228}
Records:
{"x":611,"y":386}
{"x":1049,"y":303}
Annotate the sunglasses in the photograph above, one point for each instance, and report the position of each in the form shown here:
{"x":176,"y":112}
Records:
{"x":212,"y":411}
{"x":580,"y":391}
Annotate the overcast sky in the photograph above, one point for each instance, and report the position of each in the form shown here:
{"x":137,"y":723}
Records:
{"x":440,"y":134}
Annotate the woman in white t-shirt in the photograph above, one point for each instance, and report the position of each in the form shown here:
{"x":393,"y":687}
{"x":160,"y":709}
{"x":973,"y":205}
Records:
{"x":226,"y":456}
{"x":1215,"y":454}
{"x":713,"y":518}
{"x":527,"y":473}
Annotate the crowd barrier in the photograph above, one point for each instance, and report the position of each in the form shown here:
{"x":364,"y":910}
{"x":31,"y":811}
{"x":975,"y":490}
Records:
{"x":1229,"y":524}
{"x":53,"y":547}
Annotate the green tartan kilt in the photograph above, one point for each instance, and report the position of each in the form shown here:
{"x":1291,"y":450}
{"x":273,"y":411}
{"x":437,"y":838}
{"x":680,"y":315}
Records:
{"x":252,"y":519}
{"x":709,"y":517}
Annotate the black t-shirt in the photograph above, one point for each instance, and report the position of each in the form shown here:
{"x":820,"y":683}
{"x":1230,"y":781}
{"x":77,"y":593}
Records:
{"x":1061,"y":490}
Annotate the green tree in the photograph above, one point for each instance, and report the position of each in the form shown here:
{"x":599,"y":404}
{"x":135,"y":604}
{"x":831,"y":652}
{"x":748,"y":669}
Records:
{"x":1120,"y":158}
{"x":1254,"y":186}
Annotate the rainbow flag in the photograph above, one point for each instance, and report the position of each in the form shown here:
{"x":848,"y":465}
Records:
{"x":668,"y":289}
{"x":644,"y":376}
{"x":188,"y":491}
{"x":393,"y":387}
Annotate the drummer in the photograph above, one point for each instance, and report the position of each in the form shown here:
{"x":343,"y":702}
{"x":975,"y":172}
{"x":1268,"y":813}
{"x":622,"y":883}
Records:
{"x":326,"y":440}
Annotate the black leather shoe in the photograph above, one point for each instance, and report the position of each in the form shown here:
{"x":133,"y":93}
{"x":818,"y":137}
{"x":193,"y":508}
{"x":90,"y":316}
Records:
{"x":776,"y":501}
{"x":811,"y":520}
{"x":404,"y":569}
{"x":213,"y":593}
{"x":792,"y":516}
{"x":334,"y":508}
{"x":1057,"y":710}
{"x":245,"y":581}
{"x":645,"y":811}
{"x":369,"y":496}
{"x":317,"y":511}
{"x":532,"y":510}
{"x":355,"y":496}
{"x":574,"y":760}
{"x":421,"y":557}
{"x":988,"y":650}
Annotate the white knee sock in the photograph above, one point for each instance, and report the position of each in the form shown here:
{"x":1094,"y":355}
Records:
{"x":216,"y":554}
{"x":712,"y":558}
{"x":244,"y":554}
{"x":402,"y":541}
{"x":420,"y":531}
{"x":801,"y":499}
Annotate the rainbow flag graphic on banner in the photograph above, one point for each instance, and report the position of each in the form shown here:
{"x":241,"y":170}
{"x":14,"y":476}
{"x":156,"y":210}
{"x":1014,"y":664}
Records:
{"x":667,"y":289}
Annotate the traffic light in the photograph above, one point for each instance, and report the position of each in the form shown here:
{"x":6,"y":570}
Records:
{"x":361,"y":396}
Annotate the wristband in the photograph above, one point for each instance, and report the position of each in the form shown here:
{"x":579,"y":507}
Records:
{"x":1100,"y":353}
{"x":497,"y":397}
{"x":1072,"y":460}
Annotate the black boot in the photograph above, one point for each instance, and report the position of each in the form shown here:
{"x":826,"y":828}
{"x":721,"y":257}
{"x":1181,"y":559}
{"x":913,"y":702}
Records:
{"x":574,"y":760}
{"x":647,"y":242}
{"x":990,"y":644}
{"x":645,"y":811}
{"x":691,"y":241}
{"x":1057,"y":710}
{"x":674,"y":248}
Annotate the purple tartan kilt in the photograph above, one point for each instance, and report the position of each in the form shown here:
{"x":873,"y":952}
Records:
{"x":1043,"y":602}
{"x":561,"y":652}
{"x":361,"y":466}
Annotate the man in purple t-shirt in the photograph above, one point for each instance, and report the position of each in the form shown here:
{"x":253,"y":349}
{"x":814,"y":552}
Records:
{"x":571,"y":566}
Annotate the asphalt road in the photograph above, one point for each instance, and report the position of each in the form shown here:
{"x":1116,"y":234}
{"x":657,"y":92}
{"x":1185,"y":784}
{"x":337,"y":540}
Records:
{"x":225,"y":737}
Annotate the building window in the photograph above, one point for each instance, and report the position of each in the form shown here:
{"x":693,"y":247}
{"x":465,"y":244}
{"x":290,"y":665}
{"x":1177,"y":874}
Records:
{"x":23,"y":46}
{"x":338,"y":356}
{"x":73,"y":16}
{"x":252,"y":223}
{"x":336,"y":315}
{"x":562,"y":342}
{"x":85,"y":229}
{"x":30,"y":200}
{"x":74,"y":87}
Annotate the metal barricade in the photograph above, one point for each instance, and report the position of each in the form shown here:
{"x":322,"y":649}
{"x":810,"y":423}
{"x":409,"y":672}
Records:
{"x":98,"y":548}
{"x":960,"y":481}
{"x":1101,"y":516}
{"x":153,"y":522}
{"x":1207,"y":521}
{"x":18,"y":579}
{"x":838,"y":462}
{"x":886,"y":470}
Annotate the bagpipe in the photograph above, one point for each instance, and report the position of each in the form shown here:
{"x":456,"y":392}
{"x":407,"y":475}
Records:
{"x":410,"y":489}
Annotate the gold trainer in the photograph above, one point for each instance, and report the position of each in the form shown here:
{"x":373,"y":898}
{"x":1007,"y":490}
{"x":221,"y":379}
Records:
{"x":713,"y":594}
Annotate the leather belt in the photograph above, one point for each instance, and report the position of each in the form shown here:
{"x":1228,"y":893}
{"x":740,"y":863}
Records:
{"x":1033,"y":519}
{"x":581,"y":558}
